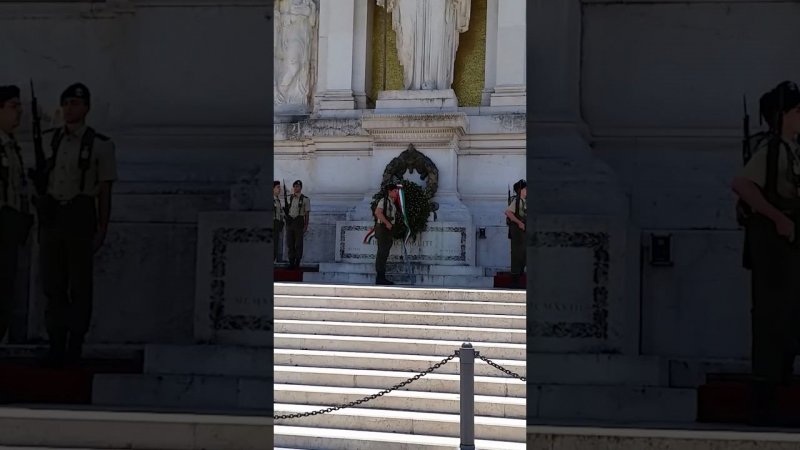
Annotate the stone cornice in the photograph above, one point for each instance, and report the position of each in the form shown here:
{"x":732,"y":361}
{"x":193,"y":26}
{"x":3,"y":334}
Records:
{"x":391,"y":129}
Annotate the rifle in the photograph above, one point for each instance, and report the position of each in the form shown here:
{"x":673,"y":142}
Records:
{"x":285,"y":202}
{"x":39,"y":174}
{"x":746,"y":150}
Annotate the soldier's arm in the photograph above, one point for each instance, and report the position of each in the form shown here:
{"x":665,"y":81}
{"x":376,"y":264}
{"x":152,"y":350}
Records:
{"x":107,"y":174}
{"x":751,"y":194}
{"x":510,"y":214}
{"x":308,"y":210}
{"x":382,"y":218}
{"x":748,"y":186}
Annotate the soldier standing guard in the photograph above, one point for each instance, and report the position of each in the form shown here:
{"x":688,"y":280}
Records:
{"x":297,"y":224}
{"x":277,"y":219}
{"x":516,"y":212}
{"x":385,"y":215}
{"x":15,"y":222}
{"x":769,"y":185}
{"x":74,"y":217}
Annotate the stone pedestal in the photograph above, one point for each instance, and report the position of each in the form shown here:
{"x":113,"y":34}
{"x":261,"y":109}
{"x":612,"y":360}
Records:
{"x":233,"y":293}
{"x":435,"y":99}
{"x":443,"y":243}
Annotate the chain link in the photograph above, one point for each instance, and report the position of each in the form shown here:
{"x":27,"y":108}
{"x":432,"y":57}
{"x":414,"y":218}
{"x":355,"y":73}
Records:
{"x":373,"y":396}
{"x":499,"y":367}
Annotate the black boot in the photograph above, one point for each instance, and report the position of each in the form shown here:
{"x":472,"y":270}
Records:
{"x":74,"y":349}
{"x":381,"y":280}
{"x":763,"y":404}
{"x":58,"y":350}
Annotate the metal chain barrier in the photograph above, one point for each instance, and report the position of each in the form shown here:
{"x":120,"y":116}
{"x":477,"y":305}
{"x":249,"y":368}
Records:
{"x":498,"y":366}
{"x":373,"y":396}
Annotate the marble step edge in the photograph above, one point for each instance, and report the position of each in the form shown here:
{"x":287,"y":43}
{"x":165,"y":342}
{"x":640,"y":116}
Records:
{"x":394,"y":292}
{"x":334,"y":439}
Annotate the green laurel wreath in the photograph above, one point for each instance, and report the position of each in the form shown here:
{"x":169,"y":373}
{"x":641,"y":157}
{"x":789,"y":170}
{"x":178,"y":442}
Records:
{"x":418,"y":208}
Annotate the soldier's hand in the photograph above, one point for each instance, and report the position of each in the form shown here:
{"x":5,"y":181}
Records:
{"x":388,"y":226}
{"x":785,"y":228}
{"x":99,"y":239}
{"x":521,"y":226}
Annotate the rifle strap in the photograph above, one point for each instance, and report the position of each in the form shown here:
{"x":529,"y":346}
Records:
{"x":84,"y":154}
{"x":771,"y":182}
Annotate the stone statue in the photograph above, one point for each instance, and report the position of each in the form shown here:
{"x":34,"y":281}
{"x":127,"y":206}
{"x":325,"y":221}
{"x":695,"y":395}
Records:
{"x":427,"y":39}
{"x":295,"y":26}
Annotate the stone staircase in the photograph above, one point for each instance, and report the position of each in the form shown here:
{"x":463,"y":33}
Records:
{"x":420,"y":275}
{"x":337,"y":344}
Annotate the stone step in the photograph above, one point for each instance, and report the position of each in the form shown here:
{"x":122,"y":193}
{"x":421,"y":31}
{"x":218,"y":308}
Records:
{"x":612,"y":403}
{"x":432,"y":347}
{"x":375,"y":379}
{"x":445,"y":306}
{"x":434,"y":402}
{"x":596,"y":369}
{"x":462,"y":334}
{"x":334,"y":439}
{"x":398,"y":268}
{"x":201,"y":392}
{"x":402,"y":280}
{"x":401,"y":317}
{"x":391,"y":292}
{"x":44,"y":427}
{"x":403,"y":422}
{"x":387,"y":362}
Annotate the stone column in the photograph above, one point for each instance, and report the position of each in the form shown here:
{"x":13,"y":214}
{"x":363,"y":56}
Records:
{"x":335,"y":70}
{"x":509,"y":53}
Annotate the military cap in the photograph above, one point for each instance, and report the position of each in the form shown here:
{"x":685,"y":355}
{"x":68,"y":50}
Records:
{"x":8,"y":92}
{"x":519,"y":185}
{"x":297,"y":183}
{"x":77,"y":90}
{"x":275,"y":183}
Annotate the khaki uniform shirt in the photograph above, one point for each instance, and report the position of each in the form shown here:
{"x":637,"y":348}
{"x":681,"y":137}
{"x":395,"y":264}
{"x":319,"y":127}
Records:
{"x":15,"y":195}
{"x":65,"y":179}
{"x":388,"y":207}
{"x":277,"y":204}
{"x":523,"y":207}
{"x":294,"y":206}
{"x":756,"y":169}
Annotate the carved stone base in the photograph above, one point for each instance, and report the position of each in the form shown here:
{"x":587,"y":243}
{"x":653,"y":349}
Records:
{"x":439,"y":99}
{"x":508,"y":96}
{"x":336,"y":99}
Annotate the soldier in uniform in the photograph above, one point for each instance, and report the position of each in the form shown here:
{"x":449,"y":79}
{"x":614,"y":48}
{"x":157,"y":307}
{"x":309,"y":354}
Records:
{"x":769,"y":185}
{"x":297,"y":223}
{"x":13,"y":200}
{"x":277,"y":220}
{"x":516,"y":212}
{"x":385,"y":215}
{"x":74,"y":217}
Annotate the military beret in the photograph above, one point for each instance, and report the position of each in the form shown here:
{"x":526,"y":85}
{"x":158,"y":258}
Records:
{"x":297,"y":183}
{"x":519,"y":185}
{"x":76,"y":90}
{"x":8,"y":92}
{"x":275,"y":183}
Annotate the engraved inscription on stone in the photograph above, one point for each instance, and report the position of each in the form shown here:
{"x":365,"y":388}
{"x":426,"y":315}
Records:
{"x":559,"y":298}
{"x":442,"y":243}
{"x":246,"y":262}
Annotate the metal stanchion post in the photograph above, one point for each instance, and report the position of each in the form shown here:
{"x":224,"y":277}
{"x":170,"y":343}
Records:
{"x":466,"y":359}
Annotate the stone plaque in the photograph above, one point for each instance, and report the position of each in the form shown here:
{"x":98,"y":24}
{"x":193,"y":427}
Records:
{"x":443,"y":243}
{"x":234,"y":283}
{"x":578,"y":274}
